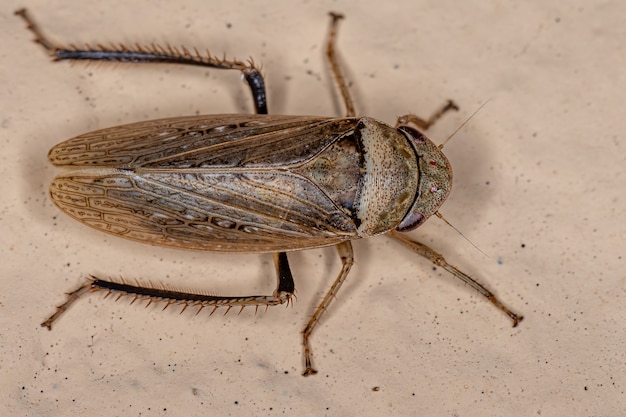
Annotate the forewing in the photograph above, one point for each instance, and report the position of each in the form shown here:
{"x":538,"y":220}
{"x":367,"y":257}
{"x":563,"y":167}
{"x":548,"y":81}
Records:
{"x":216,"y":141}
{"x":168,"y":187}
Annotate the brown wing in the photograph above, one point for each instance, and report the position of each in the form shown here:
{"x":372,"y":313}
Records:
{"x":215,"y":141}
{"x":220,"y":183}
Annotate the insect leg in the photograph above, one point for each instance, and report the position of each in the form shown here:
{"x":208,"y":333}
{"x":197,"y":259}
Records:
{"x":71,"y":298}
{"x":334,"y":64}
{"x":283,"y":273}
{"x":438,"y":260}
{"x":347,"y":259}
{"x":283,"y":293}
{"x":152,"y":54}
{"x":425,"y":124}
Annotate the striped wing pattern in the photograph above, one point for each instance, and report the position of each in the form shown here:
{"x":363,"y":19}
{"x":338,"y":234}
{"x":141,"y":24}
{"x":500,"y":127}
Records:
{"x":218,"y":183}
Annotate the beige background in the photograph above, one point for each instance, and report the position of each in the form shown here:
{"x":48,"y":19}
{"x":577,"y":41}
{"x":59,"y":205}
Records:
{"x":539,"y":186}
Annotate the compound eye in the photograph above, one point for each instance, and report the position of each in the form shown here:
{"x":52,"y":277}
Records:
{"x":410,"y":222}
{"x":413,"y":133}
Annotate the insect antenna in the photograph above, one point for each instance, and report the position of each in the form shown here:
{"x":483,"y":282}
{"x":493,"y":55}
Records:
{"x":459,"y":232}
{"x":442,"y":144}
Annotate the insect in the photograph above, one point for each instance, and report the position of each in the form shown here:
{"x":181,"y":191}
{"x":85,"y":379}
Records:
{"x":250,"y":183}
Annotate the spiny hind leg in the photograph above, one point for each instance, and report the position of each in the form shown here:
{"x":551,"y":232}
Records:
{"x":138,"y":54}
{"x":283,"y":293}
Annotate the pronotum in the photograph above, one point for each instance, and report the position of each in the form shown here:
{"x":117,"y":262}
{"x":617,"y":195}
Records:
{"x":250,"y":183}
